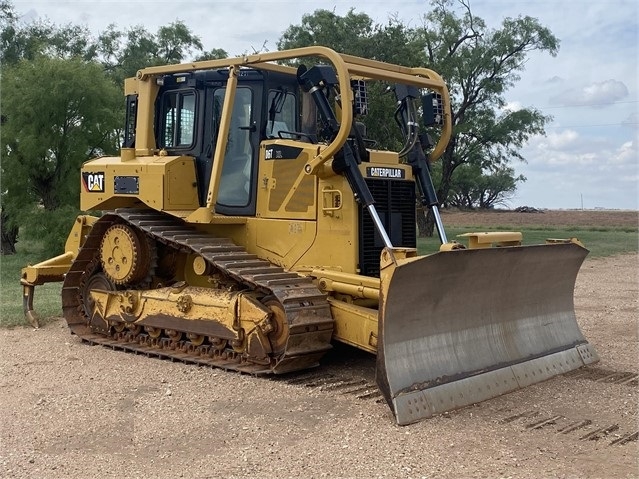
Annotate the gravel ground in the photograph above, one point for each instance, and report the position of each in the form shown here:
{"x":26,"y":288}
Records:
{"x":76,"y":411}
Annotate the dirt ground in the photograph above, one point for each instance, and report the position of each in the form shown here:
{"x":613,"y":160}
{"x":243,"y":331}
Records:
{"x":70,"y":410}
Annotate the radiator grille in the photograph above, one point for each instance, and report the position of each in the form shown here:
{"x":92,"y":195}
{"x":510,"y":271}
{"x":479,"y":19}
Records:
{"x":395,"y":205}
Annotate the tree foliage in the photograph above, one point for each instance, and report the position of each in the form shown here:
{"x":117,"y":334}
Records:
{"x":123,"y":53}
{"x":27,"y":42}
{"x":62,"y":104}
{"x":478,"y":63}
{"x":473,"y":188}
{"x":356,"y":34}
{"x":58,"y":113}
{"x":213,"y":54}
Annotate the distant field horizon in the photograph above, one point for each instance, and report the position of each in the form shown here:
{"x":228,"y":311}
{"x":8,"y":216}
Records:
{"x":569,"y":218}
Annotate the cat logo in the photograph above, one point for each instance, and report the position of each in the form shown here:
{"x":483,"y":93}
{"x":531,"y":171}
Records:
{"x":93,"y":182}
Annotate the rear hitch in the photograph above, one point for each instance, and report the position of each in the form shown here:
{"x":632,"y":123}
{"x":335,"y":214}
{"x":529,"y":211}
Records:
{"x":53,"y":269}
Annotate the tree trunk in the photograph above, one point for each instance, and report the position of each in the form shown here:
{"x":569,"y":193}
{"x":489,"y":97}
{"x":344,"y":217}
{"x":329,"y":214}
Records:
{"x":448,"y":166}
{"x":422,"y":221}
{"x":9,"y":235}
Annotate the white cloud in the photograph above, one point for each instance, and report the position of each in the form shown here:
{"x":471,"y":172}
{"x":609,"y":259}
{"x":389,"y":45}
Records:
{"x":626,"y":154}
{"x":596,"y":94}
{"x":556,"y":140}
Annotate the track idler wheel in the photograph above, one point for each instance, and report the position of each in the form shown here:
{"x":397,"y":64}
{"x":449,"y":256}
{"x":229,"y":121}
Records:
{"x":125,"y":254}
{"x":96,"y":281}
{"x":278,"y":336}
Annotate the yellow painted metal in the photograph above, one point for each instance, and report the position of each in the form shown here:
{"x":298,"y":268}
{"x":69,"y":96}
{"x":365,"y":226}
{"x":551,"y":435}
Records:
{"x":144,"y":135}
{"x":283,"y":242}
{"x":124,"y":254}
{"x":334,"y":245}
{"x":165,"y":183}
{"x":236,"y":316}
{"x":54,"y":269}
{"x":127,"y":154}
{"x":383,"y":157}
{"x":492,"y":238}
{"x":200,"y":266}
{"x":354,"y":325}
{"x":50,"y":270}
{"x":284,"y":190}
{"x":357,"y":324}
{"x":354,"y":285}
{"x":564,"y":241}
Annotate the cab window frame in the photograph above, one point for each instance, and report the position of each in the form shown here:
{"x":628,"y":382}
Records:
{"x":182,"y":106}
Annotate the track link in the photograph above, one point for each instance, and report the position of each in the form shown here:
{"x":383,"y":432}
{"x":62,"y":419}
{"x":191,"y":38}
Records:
{"x":306,"y":309}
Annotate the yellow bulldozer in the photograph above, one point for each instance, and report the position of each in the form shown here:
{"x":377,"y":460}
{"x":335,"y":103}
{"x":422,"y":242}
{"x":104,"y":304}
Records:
{"x":249,"y":222}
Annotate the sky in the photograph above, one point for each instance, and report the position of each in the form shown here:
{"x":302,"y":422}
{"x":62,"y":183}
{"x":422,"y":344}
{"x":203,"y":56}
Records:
{"x":589,"y":156}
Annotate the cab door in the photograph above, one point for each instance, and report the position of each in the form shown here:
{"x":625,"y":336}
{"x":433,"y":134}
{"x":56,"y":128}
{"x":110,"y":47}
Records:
{"x":238,"y":185}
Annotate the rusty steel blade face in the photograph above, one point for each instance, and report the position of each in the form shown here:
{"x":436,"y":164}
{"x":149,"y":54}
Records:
{"x":463,"y":326}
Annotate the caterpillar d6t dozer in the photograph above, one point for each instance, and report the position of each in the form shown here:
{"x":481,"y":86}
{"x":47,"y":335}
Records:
{"x":249,"y":222}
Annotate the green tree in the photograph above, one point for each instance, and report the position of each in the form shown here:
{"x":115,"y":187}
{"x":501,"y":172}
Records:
{"x":26,"y":42}
{"x":123,"y":53}
{"x":175,"y":42}
{"x":351,"y":33}
{"x":356,"y":34}
{"x":213,"y":54}
{"x":474,"y":188}
{"x":57,"y":114}
{"x":9,"y":234}
{"x":480,"y":65}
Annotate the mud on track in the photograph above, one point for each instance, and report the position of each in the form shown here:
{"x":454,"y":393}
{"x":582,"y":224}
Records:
{"x":70,"y":410}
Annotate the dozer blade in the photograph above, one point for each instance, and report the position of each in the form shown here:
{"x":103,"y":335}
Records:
{"x":463,"y":326}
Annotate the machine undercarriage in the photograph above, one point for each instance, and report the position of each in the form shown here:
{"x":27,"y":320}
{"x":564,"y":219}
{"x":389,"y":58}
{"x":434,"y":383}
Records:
{"x":242,"y":313}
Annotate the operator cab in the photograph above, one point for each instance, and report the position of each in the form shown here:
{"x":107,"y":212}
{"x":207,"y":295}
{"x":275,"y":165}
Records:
{"x":189,"y":107}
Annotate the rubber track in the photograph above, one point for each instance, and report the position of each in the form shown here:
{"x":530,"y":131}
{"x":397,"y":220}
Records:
{"x":306,"y":308}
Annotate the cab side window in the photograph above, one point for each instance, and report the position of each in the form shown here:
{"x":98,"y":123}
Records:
{"x":282,"y":114}
{"x":178,"y":119}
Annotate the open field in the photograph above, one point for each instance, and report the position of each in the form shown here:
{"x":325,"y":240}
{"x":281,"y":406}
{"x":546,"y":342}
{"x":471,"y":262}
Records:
{"x":604,"y":233}
{"x":75,"y":411}
{"x":587,"y":219}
